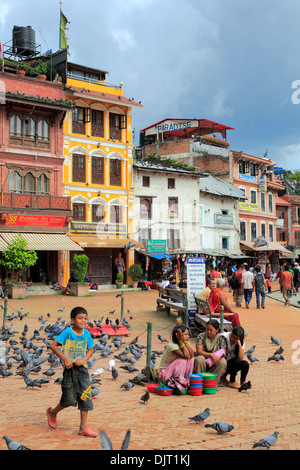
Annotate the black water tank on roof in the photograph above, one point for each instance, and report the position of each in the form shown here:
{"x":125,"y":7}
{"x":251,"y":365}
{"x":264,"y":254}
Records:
{"x":23,"y":40}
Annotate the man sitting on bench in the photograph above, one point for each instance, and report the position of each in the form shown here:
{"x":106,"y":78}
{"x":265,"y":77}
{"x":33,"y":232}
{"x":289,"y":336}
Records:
{"x":175,"y":296}
{"x":218,"y":298}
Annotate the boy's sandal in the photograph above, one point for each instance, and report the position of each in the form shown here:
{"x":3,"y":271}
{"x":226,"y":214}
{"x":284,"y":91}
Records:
{"x":51,"y":421}
{"x":88,"y":433}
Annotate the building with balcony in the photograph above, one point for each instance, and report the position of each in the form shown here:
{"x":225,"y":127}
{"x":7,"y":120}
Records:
{"x":98,"y":153}
{"x":31,"y":171}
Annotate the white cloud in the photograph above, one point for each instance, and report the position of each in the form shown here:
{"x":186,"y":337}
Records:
{"x":4,"y":9}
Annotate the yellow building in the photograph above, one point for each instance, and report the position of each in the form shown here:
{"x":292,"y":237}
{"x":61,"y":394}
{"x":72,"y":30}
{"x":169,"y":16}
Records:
{"x":98,"y":151}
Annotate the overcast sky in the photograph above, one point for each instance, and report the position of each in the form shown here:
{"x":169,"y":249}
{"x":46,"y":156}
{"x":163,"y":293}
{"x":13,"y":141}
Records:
{"x":230,"y":61}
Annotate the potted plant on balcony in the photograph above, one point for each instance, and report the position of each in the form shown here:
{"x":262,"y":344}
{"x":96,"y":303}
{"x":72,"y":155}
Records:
{"x":135,"y":272}
{"x":23,"y":68}
{"x":79,"y":265}
{"x":41,"y":70}
{"x":16,"y":259}
{"x":120,"y":280}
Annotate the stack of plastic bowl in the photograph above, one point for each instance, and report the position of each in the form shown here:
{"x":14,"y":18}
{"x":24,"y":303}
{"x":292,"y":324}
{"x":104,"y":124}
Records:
{"x":210,"y":384}
{"x":196,"y":384}
{"x":164,"y":391}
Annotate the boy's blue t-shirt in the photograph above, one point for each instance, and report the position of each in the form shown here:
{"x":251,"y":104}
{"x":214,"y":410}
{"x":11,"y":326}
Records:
{"x":75,"y":347}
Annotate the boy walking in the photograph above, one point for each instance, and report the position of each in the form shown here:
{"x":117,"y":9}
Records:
{"x":76,"y":388}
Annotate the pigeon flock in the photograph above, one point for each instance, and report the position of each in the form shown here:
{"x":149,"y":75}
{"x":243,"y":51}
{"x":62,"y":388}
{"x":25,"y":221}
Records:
{"x":28,"y":355}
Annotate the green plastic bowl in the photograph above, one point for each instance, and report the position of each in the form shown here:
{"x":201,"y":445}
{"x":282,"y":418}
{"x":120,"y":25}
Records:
{"x":209,"y":376}
{"x":178,"y":392}
{"x":210,"y":391}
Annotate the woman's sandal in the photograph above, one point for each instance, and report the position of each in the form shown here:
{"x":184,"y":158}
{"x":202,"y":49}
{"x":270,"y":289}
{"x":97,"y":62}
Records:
{"x":88,"y":433}
{"x":51,"y":421}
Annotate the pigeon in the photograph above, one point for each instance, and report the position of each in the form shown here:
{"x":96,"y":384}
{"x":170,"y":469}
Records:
{"x":113,"y":325}
{"x":5,"y":373}
{"x":252,"y":359}
{"x":276,"y":358}
{"x":129,"y":245}
{"x":279,"y":350}
{"x":114,"y":373}
{"x":267,"y":442}
{"x":14,"y":445}
{"x":251,"y":350}
{"x":201,"y":417}
{"x":120,"y":295}
{"x":162,"y":339}
{"x":127,"y":385}
{"x":245,"y":386}
{"x":221,"y":427}
{"x":275,"y":341}
{"x":31,"y":383}
{"x":129,"y":368}
{"x":61,"y":309}
{"x":98,"y":371}
{"x":49,"y":372}
{"x":145,"y":397}
{"x":106,"y":442}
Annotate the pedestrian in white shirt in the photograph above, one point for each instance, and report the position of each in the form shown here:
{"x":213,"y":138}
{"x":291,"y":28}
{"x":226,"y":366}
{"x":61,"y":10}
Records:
{"x":247,"y":284}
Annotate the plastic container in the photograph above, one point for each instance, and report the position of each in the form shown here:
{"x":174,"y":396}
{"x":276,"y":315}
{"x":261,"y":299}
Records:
{"x":209,"y":376}
{"x":209,"y":391}
{"x":178,"y":392}
{"x":196,"y":376}
{"x":151,"y":388}
{"x":210,"y":384}
{"x":196,"y":385}
{"x":195,"y":392}
{"x":164,"y":391}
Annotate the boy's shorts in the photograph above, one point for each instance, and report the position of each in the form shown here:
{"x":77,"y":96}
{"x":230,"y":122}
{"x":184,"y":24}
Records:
{"x":76,"y":388}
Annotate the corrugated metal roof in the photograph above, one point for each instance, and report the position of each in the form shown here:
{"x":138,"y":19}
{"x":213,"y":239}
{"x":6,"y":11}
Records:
{"x":219,"y":187}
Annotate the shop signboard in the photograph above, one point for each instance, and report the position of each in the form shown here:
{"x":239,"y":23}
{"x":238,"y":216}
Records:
{"x":156,"y":246}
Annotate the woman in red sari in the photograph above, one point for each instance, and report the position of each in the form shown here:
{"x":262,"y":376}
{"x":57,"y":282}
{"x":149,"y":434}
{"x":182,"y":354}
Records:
{"x":218,"y":298}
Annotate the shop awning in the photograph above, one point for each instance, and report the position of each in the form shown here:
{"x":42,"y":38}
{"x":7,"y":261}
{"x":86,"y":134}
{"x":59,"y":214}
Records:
{"x":42,"y":241}
{"x":96,"y":242}
{"x":272,"y":246}
{"x":159,"y":256}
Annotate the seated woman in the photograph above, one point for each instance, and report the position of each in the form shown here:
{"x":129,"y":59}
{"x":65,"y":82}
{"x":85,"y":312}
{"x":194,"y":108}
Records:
{"x":208,"y":343}
{"x":218,"y":298}
{"x":235,"y":356}
{"x":177,"y":362}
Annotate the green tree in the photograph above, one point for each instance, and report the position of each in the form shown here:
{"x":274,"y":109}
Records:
{"x":17,"y":257}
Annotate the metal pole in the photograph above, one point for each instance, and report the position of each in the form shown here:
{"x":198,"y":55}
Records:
{"x":149,"y":347}
{"x":122,"y":309}
{"x":4,"y":314}
{"x":187,"y":313}
{"x":222,"y":319}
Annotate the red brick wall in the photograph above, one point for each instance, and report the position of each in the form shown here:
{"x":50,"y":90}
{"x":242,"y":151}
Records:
{"x":32,"y":86}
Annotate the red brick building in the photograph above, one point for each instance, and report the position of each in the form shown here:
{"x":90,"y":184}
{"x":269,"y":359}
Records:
{"x":32,"y":112}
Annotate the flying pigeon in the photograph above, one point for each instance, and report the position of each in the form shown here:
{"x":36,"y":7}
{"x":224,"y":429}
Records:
{"x":267,"y":442}
{"x":201,"y":417}
{"x":275,"y":341}
{"x":145,"y":397}
{"x":106,"y":442}
{"x":14,"y":445}
{"x":221,"y":427}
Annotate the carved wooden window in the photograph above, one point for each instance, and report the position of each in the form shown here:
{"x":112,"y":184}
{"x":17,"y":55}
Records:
{"x":97,"y":170}
{"x":78,"y":120}
{"x":29,"y":183}
{"x":43,"y":184}
{"x":79,"y":168}
{"x":15,"y":185}
{"x":97,"y":123}
{"x":173,"y":239}
{"x":115,"y":126}
{"x":115,"y":173}
{"x":79,"y":212}
{"x":146,"y":208}
{"x":97,"y":212}
{"x":116,"y":214}
{"x":173,"y":207}
{"x":29,"y":131}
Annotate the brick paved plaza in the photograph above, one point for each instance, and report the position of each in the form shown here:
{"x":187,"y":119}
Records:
{"x":272,"y":403}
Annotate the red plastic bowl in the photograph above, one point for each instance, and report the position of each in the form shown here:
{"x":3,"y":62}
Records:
{"x":151,"y":388}
{"x":195,"y":392}
{"x":210,"y":384}
{"x":196,"y":381}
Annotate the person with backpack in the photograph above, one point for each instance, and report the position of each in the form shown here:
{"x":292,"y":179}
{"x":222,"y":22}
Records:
{"x":260,"y":286}
{"x":236,"y":285}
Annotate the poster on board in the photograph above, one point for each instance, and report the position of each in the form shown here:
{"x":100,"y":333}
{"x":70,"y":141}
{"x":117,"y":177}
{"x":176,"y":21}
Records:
{"x":195,"y":284}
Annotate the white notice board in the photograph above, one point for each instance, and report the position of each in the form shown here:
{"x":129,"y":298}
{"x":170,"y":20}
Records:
{"x":195,"y":284}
